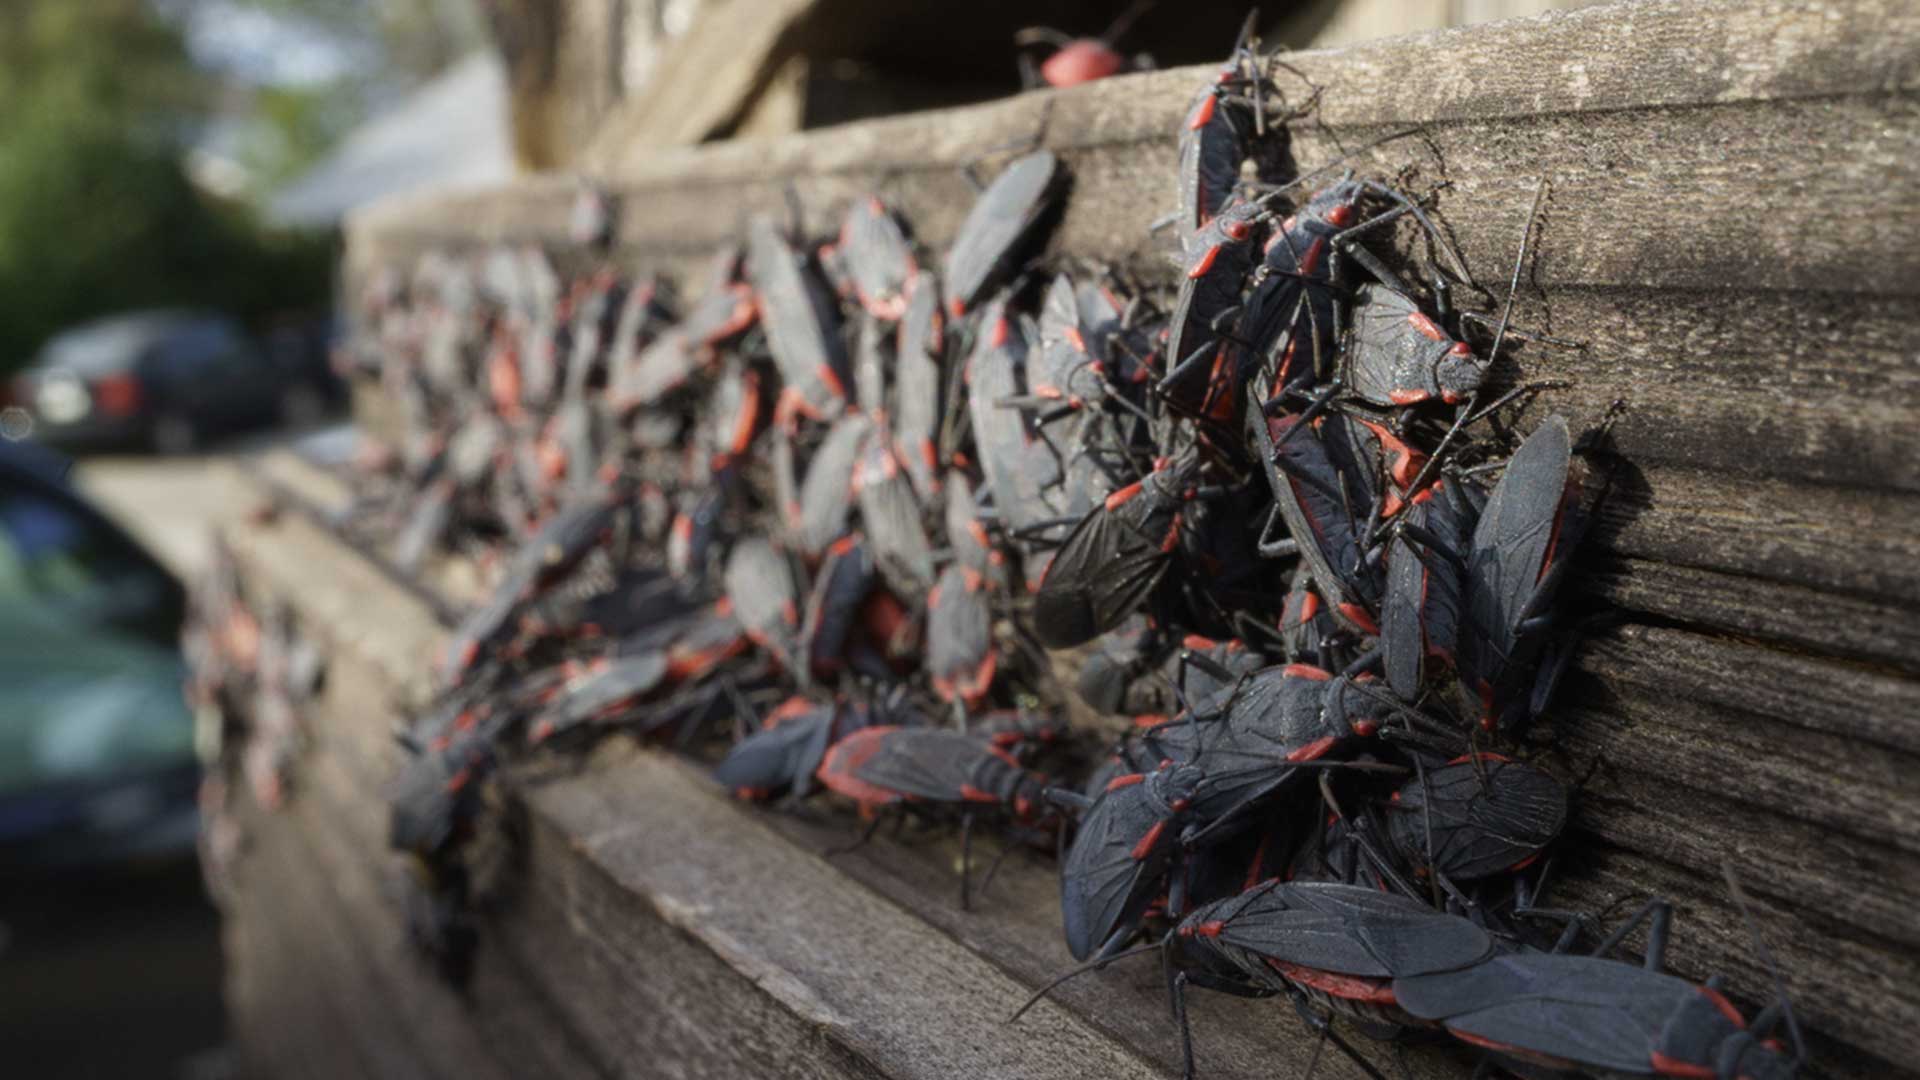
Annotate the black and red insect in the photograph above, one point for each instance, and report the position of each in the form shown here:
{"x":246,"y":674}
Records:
{"x":961,"y":657}
{"x":1000,"y":226}
{"x":1112,"y":561}
{"x":802,"y":324}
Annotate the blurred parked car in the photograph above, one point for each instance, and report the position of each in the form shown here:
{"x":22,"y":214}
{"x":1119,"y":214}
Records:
{"x":170,"y":380}
{"x":97,"y":761}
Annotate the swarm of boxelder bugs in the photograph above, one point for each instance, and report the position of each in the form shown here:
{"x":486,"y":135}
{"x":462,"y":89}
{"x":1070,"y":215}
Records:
{"x":820,"y":515}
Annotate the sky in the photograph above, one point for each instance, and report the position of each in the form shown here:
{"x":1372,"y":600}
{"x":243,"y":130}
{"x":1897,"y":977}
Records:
{"x":264,"y":48}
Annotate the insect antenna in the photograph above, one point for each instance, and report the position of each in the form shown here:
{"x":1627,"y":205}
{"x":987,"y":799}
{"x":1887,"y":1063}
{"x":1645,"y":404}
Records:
{"x":1074,"y":973}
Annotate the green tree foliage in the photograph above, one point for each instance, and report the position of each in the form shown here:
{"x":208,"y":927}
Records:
{"x":97,"y":102}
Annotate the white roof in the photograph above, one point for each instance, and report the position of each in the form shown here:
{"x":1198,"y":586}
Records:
{"x":450,"y":134}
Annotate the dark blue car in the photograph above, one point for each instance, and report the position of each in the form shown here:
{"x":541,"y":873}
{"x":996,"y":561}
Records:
{"x":97,"y":761}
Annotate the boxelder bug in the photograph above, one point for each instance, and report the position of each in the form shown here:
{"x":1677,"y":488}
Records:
{"x":1341,"y":947}
{"x":930,"y":769}
{"x":1520,"y":551}
{"x":839,"y":589}
{"x":549,"y":555}
{"x":893,"y":519}
{"x":733,"y":416}
{"x":1115,"y":557}
{"x":1476,"y":816}
{"x":1596,"y":1015}
{"x":986,"y":248}
{"x":826,"y":494}
{"x":873,"y":252}
{"x":1201,"y":336}
{"x":967,"y":536}
{"x":761,"y":587}
{"x":1420,"y":616}
{"x":919,"y":382}
{"x":801,"y":321}
{"x":1128,"y":838}
{"x":601,"y":694}
{"x":1259,"y":736}
{"x":1396,"y":355}
{"x":1078,"y":60}
{"x":1213,"y":137}
{"x":960,"y":655}
{"x":1324,"y":487}
{"x":1003,"y":439}
{"x":783,"y":755}
{"x":725,"y":309}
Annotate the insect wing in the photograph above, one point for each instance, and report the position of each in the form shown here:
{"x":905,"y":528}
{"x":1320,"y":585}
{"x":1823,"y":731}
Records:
{"x":1102,"y":573}
{"x":827,"y":491}
{"x":1485,"y":817}
{"x":1600,"y":1014}
{"x":959,"y":635}
{"x":1114,"y":867}
{"x":801,"y":321}
{"x":839,"y":589}
{"x":893,"y":520}
{"x":994,"y":229}
{"x":919,"y":382}
{"x":878,"y":261}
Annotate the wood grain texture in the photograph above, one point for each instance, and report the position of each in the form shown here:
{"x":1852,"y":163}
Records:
{"x":1732,"y":228}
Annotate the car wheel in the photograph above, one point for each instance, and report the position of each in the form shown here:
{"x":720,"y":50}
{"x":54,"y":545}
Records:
{"x":174,"y":434}
{"x":302,"y":406}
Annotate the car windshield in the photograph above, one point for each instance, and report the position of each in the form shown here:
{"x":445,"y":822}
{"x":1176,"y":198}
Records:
{"x":89,"y":687}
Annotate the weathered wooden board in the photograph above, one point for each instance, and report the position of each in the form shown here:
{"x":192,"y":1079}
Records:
{"x":1733,"y":227}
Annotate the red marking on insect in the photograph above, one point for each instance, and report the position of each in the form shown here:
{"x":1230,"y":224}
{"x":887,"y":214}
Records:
{"x":1311,"y":260}
{"x":1074,"y":339}
{"x":1148,"y":842}
{"x":1172,"y":539}
{"x":831,"y":380}
{"x":1365,"y":728}
{"x":1204,"y":263}
{"x":972,"y":579}
{"x":969,"y":793}
{"x":1671,"y":1066}
{"x":1181,"y":806}
{"x":1081,"y":60}
{"x":1407,"y":397}
{"x":1128,"y":780}
{"x":843,"y":545}
{"x":1425,"y":326}
{"x":1120,"y":498}
{"x":1195,"y":641}
{"x":1237,"y":229}
{"x":1306,"y":671}
{"x":1340,"y":214}
{"x":1147,"y":720}
{"x":1309,"y":607}
{"x":1334,"y":984}
{"x":1359,"y":617}
{"x":1314,"y":749}
{"x":1202,"y":112}
{"x":845,"y":757}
